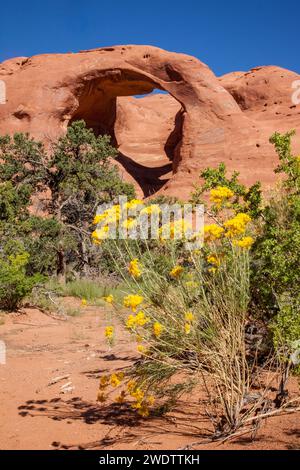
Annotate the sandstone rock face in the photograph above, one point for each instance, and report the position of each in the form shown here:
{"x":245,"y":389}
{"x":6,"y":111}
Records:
{"x":164,"y":139}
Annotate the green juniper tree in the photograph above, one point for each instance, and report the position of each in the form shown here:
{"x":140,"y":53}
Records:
{"x":73,"y":179}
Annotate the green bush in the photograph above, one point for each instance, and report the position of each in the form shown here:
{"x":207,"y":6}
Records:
{"x":276,"y":253}
{"x":15,"y":285}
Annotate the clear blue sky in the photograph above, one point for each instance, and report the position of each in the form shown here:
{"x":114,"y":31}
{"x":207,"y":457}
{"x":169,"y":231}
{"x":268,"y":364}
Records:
{"x":227,"y":35}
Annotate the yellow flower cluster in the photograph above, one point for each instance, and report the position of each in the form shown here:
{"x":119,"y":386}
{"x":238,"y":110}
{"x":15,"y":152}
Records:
{"x":245,"y":242}
{"x":176,"y":271}
{"x":213,"y":259}
{"x":109,"y":332}
{"x":189,"y":318}
{"x":177,"y":229}
{"x":152,"y":209}
{"x":212,"y":232}
{"x":134,"y":268}
{"x":220,"y":194}
{"x":129,"y":223}
{"x":157,"y":329}
{"x":112,"y":216}
{"x":109,"y":216}
{"x":109,"y":299}
{"x":141,"y":348}
{"x":237,"y":225}
{"x":114,"y":380}
{"x":133,"y":204}
{"x":133,"y":301}
{"x":100,"y":234}
{"x":139,"y":319}
{"x":142,"y":402}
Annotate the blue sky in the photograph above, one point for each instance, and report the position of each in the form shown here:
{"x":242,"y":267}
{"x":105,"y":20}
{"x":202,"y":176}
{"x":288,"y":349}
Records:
{"x":227,"y":35}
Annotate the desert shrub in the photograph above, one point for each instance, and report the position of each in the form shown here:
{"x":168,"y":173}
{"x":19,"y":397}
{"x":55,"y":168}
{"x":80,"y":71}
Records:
{"x":189,"y":309}
{"x":187,"y":316}
{"x":275,"y":275}
{"x":15,"y":284}
{"x":277,"y":248}
{"x":79,"y":175}
{"x":244,"y":199}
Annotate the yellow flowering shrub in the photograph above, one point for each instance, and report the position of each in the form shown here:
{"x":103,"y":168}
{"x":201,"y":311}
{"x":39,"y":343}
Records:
{"x":176,"y":272}
{"x":212,"y":232}
{"x":135,"y":268}
{"x":133,"y":301}
{"x":220,"y":194}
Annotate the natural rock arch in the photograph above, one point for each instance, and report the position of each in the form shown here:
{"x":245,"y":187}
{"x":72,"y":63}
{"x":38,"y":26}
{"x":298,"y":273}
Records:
{"x":46,"y":92}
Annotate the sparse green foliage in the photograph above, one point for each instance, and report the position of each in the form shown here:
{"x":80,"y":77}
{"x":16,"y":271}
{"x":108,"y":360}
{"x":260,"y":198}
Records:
{"x":276,"y":252}
{"x":15,"y":284}
{"x":245,"y":199}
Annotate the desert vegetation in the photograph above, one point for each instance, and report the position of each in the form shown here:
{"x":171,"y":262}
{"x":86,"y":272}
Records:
{"x":223,"y":316}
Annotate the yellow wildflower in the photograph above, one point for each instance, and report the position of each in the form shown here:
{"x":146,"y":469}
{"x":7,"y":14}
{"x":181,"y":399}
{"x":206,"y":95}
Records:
{"x":150,"y":400}
{"x":131,"y":385}
{"x":109,"y":332}
{"x":109,"y":298}
{"x":130,"y":322}
{"x":157,"y":329}
{"x":212,"y":270}
{"x":103,"y":381}
{"x":96,"y":242}
{"x":136,"y":405}
{"x":237,"y":225}
{"x":187,"y":328}
{"x":99,"y":217}
{"x":176,"y":271}
{"x":212,"y":232}
{"x":84,"y":302}
{"x":245,"y":242}
{"x":114,"y":380}
{"x":133,"y":204}
{"x":134,"y":268}
{"x":141,"y":319}
{"x":138,"y":394}
{"x":133,"y":301}
{"x":101,"y":234}
{"x":220,"y":194}
{"x":189,"y":316}
{"x":214,"y":259}
{"x":143,"y":411}
{"x":129,"y":223}
{"x":152,"y":209}
{"x":113,"y":215}
{"x":177,"y":229}
{"x":141,"y":349}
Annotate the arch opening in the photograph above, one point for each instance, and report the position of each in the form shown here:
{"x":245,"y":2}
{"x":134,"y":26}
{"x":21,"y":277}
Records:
{"x":144,"y":122}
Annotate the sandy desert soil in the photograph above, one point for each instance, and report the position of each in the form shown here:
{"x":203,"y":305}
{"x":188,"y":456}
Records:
{"x":37,"y":415}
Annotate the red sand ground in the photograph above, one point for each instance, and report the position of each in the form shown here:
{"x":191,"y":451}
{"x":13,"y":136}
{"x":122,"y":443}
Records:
{"x":36,"y":415}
